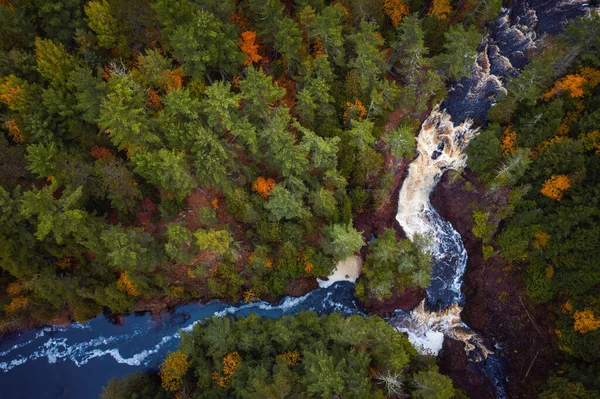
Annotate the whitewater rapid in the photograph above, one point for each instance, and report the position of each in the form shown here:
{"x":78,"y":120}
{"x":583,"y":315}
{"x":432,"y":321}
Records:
{"x":440,"y":147}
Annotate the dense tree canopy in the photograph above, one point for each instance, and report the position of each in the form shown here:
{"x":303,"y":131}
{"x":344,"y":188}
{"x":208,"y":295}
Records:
{"x":262,"y":358}
{"x":545,"y":148}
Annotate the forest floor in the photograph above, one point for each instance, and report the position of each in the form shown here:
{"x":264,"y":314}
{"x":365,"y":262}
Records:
{"x":496,"y":305}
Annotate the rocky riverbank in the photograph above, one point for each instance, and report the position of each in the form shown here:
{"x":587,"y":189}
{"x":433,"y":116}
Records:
{"x":495,"y":303}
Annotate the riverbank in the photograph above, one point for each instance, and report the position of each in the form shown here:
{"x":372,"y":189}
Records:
{"x":495,"y":302}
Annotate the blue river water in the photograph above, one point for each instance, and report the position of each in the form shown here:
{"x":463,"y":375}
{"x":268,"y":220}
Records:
{"x":76,"y":361}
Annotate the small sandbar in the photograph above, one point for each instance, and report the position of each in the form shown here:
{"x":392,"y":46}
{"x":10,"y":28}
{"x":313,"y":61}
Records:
{"x":346,"y":270}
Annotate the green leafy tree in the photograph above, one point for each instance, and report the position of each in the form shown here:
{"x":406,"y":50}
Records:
{"x":483,"y":154}
{"x":43,"y":159}
{"x":59,"y":20}
{"x":60,"y":219}
{"x":409,"y":51}
{"x":218,"y":241}
{"x":288,"y":41}
{"x":213,"y":161}
{"x":393,"y":264}
{"x":324,"y":203}
{"x":167,"y":170}
{"x":54,"y":63}
{"x":259,"y":91}
{"x":341,"y":241}
{"x":89,"y":92}
{"x":432,"y":385}
{"x":460,"y":51}
{"x":104,"y":24}
{"x":280,"y":149}
{"x":402,"y":142}
{"x":559,"y":387}
{"x":322,"y":152}
{"x":285,"y":204}
{"x":125,"y":248}
{"x":369,"y":62}
{"x":327,"y":26}
{"x":123,"y":114}
{"x":324,"y":377}
{"x":206,"y":44}
{"x":117,"y":183}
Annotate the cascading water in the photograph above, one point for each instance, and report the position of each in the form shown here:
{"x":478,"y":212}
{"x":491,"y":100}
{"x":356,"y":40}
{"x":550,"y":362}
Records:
{"x":46,"y":363}
{"x":443,"y":137}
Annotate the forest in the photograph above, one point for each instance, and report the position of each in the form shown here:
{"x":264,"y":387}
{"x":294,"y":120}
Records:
{"x":159,"y":152}
{"x":292,"y":357}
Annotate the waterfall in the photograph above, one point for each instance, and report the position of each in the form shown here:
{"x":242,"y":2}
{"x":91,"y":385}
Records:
{"x":440,"y":144}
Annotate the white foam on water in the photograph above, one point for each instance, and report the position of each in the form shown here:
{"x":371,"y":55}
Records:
{"x":429,"y":344}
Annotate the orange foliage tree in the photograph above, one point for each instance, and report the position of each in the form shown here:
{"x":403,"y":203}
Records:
{"x":440,"y":9}
{"x":291,"y":357}
{"x":573,"y":83}
{"x":355,"y":110}
{"x":396,"y":10}
{"x":173,"y":79}
{"x":125,"y":284}
{"x":99,"y":152}
{"x":10,"y":91}
{"x":173,"y":369}
{"x":263,"y":186}
{"x":555,"y":186}
{"x":14,"y":131}
{"x":508,"y":139}
{"x":249,"y":47}
{"x":290,"y":90}
{"x":586,"y":321}
{"x":14,"y":288}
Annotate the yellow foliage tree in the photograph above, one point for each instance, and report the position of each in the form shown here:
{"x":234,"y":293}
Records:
{"x":555,"y":186}
{"x":440,"y":9}
{"x":249,"y":47}
{"x":17,"y":303}
{"x":396,"y":10}
{"x":173,"y":369}
{"x":250,"y":296}
{"x":591,"y":75}
{"x":231,"y":362}
{"x":591,"y":141}
{"x":586,"y":321}
{"x":540,"y":239}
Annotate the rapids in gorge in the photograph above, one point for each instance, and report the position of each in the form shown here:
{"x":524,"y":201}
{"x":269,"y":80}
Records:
{"x":76,"y":361}
{"x":444,"y":135}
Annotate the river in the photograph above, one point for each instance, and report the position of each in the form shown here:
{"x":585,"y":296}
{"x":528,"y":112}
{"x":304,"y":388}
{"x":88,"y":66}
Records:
{"x":75,"y":361}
